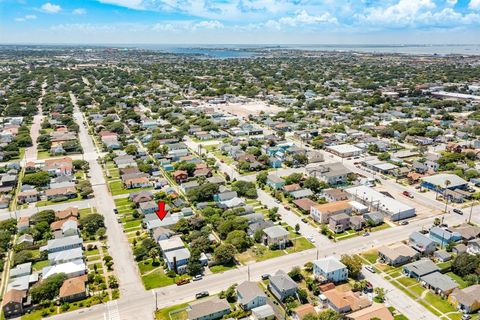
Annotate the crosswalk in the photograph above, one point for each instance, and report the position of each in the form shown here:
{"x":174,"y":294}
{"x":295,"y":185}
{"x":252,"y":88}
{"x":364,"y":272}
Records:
{"x":112,"y":311}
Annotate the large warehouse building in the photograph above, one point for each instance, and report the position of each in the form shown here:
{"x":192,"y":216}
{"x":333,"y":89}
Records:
{"x":393,"y":210}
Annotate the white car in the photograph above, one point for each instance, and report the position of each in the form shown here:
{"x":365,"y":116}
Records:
{"x":370,"y":268}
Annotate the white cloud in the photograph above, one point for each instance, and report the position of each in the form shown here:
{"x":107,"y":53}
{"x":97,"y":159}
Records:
{"x":303,"y":18}
{"x":179,"y":26}
{"x":474,"y":4}
{"x":79,"y":11}
{"x":51,"y":8}
{"x":131,"y":4}
{"x":451,"y":2}
{"x":27,"y":17}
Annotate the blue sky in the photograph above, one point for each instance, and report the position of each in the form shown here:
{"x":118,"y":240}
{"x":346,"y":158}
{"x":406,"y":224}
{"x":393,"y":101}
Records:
{"x":240,"y":21}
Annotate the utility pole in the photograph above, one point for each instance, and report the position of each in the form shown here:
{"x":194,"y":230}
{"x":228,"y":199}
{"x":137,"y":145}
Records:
{"x":470,"y":215}
{"x":156,"y":301}
{"x":248,"y":272}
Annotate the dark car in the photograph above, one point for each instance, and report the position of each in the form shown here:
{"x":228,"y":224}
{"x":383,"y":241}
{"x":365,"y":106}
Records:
{"x":265,"y":276}
{"x":458,"y":211}
{"x":202,"y":294}
{"x":404,"y":223}
{"x":304,"y":220}
{"x":115,"y":211}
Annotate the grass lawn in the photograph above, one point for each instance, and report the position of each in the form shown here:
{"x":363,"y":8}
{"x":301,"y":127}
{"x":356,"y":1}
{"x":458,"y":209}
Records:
{"x":258,"y":253}
{"x":444,"y":266}
{"x":400,"y":317}
{"x":371,"y":256}
{"x":439,"y":303}
{"x":132,"y":224}
{"x":300,"y":244}
{"x":49,"y":202}
{"x":407,"y":282}
{"x":39,"y":265}
{"x":145,"y":266}
{"x":43,"y":155}
{"x":157,"y":279}
{"x":40,"y":314}
{"x":225,"y":159}
{"x":116,"y":188}
{"x":164,"y":314}
{"x":462,"y":283}
{"x":221,"y":268}
{"x":417,"y":289}
{"x":91,"y":252}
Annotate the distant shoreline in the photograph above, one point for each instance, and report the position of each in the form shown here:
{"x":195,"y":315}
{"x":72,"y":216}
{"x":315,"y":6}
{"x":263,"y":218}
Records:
{"x":246,"y":51}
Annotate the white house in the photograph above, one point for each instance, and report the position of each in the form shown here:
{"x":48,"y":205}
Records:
{"x":330,"y":269}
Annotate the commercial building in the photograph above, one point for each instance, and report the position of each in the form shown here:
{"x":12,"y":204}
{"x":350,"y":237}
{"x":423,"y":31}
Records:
{"x":392,"y":209}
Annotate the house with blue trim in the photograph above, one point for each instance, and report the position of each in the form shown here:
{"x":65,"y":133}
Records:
{"x":443,"y":237}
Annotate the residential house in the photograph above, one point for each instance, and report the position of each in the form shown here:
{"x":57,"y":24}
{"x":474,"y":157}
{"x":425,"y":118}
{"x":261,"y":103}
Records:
{"x":473,"y":246}
{"x":300,"y":312}
{"x":322,"y":212}
{"x":275,"y":236}
{"x":330,"y":269}
{"x":467,"y":299}
{"x":61,"y":193}
{"x":264,"y":312}
{"x":209,"y":309}
{"x":346,"y":301}
{"x":375,"y":311}
{"x":23,"y":223}
{"x":304,"y":204}
{"x":398,"y":254}
{"x":180,"y":176}
{"x":71,"y":269}
{"x":28,"y":196}
{"x":339,"y":223}
{"x":333,"y":194}
{"x":420,"y":268}
{"x":275,"y":182}
{"x":443,"y":236}
{"x":332,"y":173}
{"x":61,"y":244}
{"x":439,"y":283}
{"x":12,"y":302}
{"x":250,"y":295}
{"x":282,"y":286}
{"x":73,"y":289}
{"x":422,"y":243}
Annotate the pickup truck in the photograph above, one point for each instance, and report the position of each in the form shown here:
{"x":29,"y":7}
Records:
{"x":182,"y":282}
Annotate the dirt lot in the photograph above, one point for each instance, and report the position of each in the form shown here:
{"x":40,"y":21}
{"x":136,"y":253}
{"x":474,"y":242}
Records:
{"x":245,"y":109}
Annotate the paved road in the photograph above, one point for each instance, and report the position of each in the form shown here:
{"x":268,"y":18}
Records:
{"x":395,"y":297}
{"x":118,"y":245}
{"x":31,"y":153}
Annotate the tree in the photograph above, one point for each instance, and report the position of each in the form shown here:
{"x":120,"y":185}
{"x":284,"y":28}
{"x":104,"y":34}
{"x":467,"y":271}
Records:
{"x":239,"y":239}
{"x":112,"y":282}
{"x":131,"y":149}
{"x":80,"y":165}
{"x":37,"y":179}
{"x":273,"y":213}
{"x":313,"y":184}
{"x":101,"y":232}
{"x":224,"y":254}
{"x":297,"y":228}
{"x":262,"y":178}
{"x":465,"y":264}
{"x":380,"y":294}
{"x":384,"y":156}
{"x":353,"y":264}
{"x":245,"y":189}
{"x":293,"y":178}
{"x":296,"y":274}
{"x":302,"y":295}
{"x":329,"y":315}
{"x":84,"y":188}
{"x":204,"y":192}
{"x":231,"y":294}
{"x":194,"y":266}
{"x":182,"y":226}
{"x":44,"y":215}
{"x":47,"y":289}
{"x":92,"y":223}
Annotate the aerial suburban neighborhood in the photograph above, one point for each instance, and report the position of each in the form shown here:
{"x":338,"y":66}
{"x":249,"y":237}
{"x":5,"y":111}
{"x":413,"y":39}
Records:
{"x":248,"y":183}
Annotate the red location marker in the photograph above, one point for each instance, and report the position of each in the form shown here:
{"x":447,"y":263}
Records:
{"x":161,"y":212}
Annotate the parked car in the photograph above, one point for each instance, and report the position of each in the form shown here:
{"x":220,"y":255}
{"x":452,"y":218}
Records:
{"x":466,"y":317}
{"x":265,"y":276}
{"x":182,"y":281}
{"x":458,"y":211}
{"x":115,"y":210}
{"x":197,"y":277}
{"x":286,"y":207}
{"x":407,"y":194}
{"x":370,"y":268}
{"x":366,"y":234}
{"x":404,"y":223}
{"x":202,"y":294}
{"x":304,"y":220}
